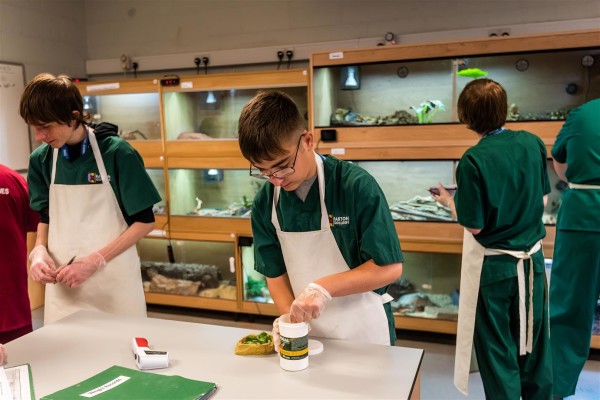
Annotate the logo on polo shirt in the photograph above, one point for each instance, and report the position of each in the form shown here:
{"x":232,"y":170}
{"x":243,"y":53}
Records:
{"x":338,"y":221}
{"x":4,"y":191}
{"x":93,"y":177}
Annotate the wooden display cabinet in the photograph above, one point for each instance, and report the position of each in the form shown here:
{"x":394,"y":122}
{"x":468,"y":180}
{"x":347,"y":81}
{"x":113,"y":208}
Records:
{"x":207,"y":180}
{"x":398,"y":102}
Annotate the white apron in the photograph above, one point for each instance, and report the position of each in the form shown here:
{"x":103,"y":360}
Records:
{"x":312,"y":255}
{"x":83,"y":219}
{"x":471,"y":266}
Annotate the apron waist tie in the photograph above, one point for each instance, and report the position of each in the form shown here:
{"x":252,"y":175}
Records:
{"x":582,"y":186}
{"x":525,"y":328}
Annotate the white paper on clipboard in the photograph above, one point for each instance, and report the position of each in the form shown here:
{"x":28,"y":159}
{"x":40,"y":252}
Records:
{"x":15,"y":383}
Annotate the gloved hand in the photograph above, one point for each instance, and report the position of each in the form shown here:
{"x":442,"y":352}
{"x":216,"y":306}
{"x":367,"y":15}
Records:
{"x":80,"y":270}
{"x":309,"y":304}
{"x":275,"y":334}
{"x":42,"y":269}
{"x":3,"y":354}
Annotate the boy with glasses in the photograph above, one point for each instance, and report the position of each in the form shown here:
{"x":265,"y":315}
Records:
{"x":326,"y":242}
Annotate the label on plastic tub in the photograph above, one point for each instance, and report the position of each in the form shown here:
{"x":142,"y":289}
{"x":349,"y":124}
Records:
{"x":293,"y":348}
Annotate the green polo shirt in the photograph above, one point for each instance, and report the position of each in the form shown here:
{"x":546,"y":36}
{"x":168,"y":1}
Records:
{"x":359,"y":217}
{"x":578,"y":145}
{"x":130,"y":182}
{"x":501,"y":183}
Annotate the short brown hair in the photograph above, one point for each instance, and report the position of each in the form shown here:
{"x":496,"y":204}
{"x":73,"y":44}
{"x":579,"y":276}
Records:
{"x":482,"y":106}
{"x":266,"y":124}
{"x":48,"y":98}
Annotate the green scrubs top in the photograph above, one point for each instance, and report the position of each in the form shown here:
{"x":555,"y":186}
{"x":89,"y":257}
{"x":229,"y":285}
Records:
{"x":130,"y":182}
{"x":578,"y":145}
{"x":501,"y":182}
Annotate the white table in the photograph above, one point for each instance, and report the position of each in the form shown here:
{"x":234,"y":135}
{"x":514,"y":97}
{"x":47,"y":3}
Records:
{"x":83,"y":344}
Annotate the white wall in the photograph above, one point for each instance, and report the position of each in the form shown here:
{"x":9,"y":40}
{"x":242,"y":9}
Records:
{"x":157,"y":27}
{"x":44,"y":35}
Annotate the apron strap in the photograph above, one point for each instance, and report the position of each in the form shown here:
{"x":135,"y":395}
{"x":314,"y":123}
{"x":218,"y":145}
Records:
{"x":321,"y":180}
{"x":98,"y":157}
{"x":525,"y":328}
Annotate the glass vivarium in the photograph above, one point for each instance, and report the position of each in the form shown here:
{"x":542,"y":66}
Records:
{"x":541,"y":86}
{"x":429,"y":287}
{"x":212,"y":192}
{"x":407,"y":185}
{"x":137,"y":115}
{"x":255,"y":284}
{"x":158,"y":179}
{"x":204,"y":269}
{"x":213,"y":114}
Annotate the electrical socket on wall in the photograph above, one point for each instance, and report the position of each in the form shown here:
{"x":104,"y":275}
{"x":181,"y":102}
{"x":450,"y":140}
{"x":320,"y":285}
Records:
{"x":499,"y":32}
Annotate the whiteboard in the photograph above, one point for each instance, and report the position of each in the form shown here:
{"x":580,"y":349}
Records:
{"x":15,"y":144}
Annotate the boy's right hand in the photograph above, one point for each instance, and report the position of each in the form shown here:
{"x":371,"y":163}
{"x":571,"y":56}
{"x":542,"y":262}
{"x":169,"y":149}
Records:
{"x":42,"y":269}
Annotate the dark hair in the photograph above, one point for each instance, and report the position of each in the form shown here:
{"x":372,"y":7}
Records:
{"x":267,"y":123}
{"x":482,"y":106}
{"x":48,"y":98}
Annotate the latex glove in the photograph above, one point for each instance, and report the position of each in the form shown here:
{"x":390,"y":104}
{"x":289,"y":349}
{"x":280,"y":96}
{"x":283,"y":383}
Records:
{"x":309,"y":304}
{"x":80,"y":270}
{"x":444,"y":198}
{"x":3,"y":355}
{"x":275,"y":334}
{"x":42,"y":269}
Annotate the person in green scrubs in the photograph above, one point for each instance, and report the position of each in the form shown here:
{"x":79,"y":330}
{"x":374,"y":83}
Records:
{"x":575,"y":279}
{"x":326,"y":242}
{"x":501,"y":186}
{"x":95,"y":202}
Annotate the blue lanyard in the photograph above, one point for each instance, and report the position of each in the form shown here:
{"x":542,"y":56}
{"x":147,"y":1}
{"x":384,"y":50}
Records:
{"x":84,"y":145}
{"x":494,"y":132}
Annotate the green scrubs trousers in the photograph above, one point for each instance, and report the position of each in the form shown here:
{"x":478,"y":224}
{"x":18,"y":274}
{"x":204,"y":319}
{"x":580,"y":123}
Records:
{"x":506,"y":374}
{"x":574,"y":291}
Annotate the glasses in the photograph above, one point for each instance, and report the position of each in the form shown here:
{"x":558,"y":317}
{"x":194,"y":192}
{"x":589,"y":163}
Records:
{"x":280,"y":173}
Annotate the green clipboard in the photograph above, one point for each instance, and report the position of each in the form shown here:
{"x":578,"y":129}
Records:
{"x":29,"y":378}
{"x":119,"y":383}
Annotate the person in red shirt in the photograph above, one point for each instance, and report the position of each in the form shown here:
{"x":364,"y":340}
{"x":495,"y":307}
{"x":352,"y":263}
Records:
{"x":17,"y":219}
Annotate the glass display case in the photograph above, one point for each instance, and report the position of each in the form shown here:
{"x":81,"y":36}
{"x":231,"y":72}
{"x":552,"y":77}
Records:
{"x":399,"y":102}
{"x":198,"y":268}
{"x":134,"y":106}
{"x":541,"y":86}
{"x":429,"y":287}
{"x":213,"y":114}
{"x":158,"y":179}
{"x":255,"y":284}
{"x":406,"y":183}
{"x":406,"y":187}
{"x":212,"y":192}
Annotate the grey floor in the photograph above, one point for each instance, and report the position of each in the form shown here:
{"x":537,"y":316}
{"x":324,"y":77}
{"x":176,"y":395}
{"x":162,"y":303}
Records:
{"x":438,"y":363}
